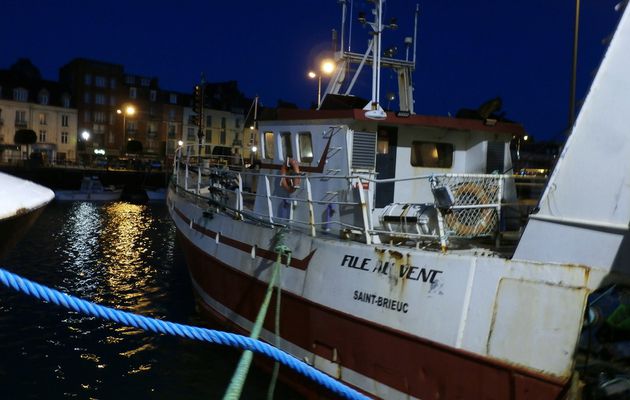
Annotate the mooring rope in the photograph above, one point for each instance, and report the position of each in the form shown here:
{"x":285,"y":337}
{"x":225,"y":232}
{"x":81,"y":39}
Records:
{"x":237,"y":382}
{"x":42,"y":292}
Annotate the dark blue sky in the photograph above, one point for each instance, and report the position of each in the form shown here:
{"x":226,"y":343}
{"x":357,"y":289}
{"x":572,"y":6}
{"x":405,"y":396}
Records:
{"x":468,"y":51}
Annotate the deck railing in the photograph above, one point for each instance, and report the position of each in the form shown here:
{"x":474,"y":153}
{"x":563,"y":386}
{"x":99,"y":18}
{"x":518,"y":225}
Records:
{"x":465,"y":205}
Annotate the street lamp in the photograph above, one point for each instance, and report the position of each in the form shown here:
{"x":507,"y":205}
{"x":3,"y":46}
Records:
{"x":326,"y":68}
{"x":518,"y":146}
{"x":129,"y":110}
{"x":85,"y":135}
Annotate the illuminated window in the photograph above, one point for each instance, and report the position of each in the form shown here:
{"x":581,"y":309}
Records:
{"x":287,"y":150}
{"x":269,"y":145}
{"x":382,"y":145}
{"x":432,"y":155}
{"x":306,"y":147}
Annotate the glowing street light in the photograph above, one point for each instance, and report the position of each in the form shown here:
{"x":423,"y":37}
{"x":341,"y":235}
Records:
{"x":85,"y":135}
{"x":327,"y":67}
{"x":129,"y":110}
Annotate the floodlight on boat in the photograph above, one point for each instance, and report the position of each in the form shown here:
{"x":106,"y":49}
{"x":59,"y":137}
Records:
{"x":373,"y":110}
{"x":327,"y":67}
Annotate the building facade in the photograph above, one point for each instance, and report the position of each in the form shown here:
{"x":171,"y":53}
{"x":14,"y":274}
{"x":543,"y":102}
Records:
{"x":28,"y":102}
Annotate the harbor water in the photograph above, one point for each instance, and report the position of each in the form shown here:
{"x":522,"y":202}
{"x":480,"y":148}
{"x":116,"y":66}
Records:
{"x":124,"y":256}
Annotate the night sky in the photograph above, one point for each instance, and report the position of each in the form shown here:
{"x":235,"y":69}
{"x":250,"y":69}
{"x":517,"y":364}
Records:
{"x":468,"y":51}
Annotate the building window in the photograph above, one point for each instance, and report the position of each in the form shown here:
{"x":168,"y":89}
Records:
{"x":86,"y":116}
{"x":131,"y":127}
{"x":43,"y":97}
{"x":269,"y":146}
{"x":87,"y":79}
{"x":42,"y":136}
{"x":171,"y":115}
{"x":306,"y":147}
{"x":64,"y":137}
{"x":431,"y":155}
{"x":100,"y":81}
{"x":65,"y":100}
{"x":20,"y":117}
{"x":20,"y":94}
{"x":64,"y":120}
{"x":209,"y":121}
{"x":133,"y":93}
{"x":42,"y":119}
{"x":111,"y":138}
{"x":145,"y":81}
{"x":172,"y":131}
{"x":99,"y":98}
{"x":223,"y":137}
{"x":172,"y":98}
{"x":287,"y":150}
{"x":191,"y":134}
{"x":130,"y":80}
{"x":87,"y":97}
{"x":208,"y":135}
{"x":237,"y":123}
{"x":99,"y":116}
{"x":153,"y":95}
{"x":112,"y":100}
{"x":112,"y":83}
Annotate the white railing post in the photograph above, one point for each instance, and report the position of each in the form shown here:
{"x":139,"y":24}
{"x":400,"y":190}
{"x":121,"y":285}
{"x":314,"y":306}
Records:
{"x":186,"y":178}
{"x":268,"y":196}
{"x":239,"y":193}
{"x":366,"y":225}
{"x":311,"y":211}
{"x":198,"y":178}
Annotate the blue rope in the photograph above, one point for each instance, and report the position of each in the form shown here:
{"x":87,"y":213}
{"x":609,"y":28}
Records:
{"x":41,"y":292}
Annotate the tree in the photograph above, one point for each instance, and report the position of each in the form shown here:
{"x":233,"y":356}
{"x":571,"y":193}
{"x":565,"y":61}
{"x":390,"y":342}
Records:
{"x":25,"y":136}
{"x":134,"y":146}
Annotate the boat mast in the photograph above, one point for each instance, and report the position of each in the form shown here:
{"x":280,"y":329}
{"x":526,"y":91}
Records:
{"x":373,"y":56}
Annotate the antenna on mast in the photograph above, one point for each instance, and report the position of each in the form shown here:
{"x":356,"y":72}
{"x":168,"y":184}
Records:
{"x":373,"y":109}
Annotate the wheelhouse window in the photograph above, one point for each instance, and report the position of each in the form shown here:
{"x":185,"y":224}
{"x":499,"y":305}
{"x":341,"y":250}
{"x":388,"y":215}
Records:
{"x":269,"y":146}
{"x":285,"y":139}
{"x":432,"y":155}
{"x":306,"y":147}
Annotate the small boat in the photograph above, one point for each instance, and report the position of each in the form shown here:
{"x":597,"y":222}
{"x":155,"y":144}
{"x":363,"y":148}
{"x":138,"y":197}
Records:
{"x":156,"y":194}
{"x":91,"y":190}
{"x":21,"y":202}
{"x":399,"y":284}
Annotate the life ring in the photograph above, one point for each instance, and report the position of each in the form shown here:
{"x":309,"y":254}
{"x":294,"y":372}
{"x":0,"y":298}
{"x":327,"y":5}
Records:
{"x":471,"y":221}
{"x":290,"y":182}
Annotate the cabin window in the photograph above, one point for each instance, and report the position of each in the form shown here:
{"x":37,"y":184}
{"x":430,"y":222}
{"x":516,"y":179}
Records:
{"x":287,"y":150}
{"x":382,"y":145}
{"x":306,"y":147}
{"x":432,"y":155}
{"x":269,"y":147}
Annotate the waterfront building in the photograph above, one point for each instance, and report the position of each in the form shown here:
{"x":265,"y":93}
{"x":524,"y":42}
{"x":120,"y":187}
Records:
{"x":45,"y":107}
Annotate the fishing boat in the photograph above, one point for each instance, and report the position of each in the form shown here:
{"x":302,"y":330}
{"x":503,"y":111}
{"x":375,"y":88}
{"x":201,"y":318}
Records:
{"x":21,"y":202}
{"x":401,"y":283}
{"x":156,"y":194}
{"x":91,"y":190}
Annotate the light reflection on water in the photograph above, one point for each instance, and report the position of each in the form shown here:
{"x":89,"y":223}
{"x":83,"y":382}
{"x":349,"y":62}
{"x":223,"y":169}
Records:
{"x":120,"y":255}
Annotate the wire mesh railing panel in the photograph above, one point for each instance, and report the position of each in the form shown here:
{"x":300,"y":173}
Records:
{"x":476,"y":204}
